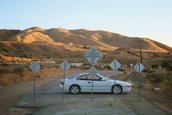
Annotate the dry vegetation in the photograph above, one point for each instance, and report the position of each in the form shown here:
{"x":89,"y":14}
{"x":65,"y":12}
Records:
{"x":13,"y":74}
{"x":18,"y":48}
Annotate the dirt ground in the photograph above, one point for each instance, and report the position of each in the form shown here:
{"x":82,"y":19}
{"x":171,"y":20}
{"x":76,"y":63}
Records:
{"x":10,"y":94}
{"x":18,"y":100}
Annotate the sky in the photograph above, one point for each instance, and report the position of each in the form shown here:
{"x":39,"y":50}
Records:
{"x":134,"y":18}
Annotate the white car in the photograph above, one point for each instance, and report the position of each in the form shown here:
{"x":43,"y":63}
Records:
{"x":82,"y":82}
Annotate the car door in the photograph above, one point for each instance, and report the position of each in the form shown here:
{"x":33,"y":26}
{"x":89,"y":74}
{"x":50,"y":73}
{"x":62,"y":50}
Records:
{"x":84,"y":83}
{"x":101,"y":85}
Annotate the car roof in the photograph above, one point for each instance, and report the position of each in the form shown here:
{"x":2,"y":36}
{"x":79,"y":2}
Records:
{"x":85,"y":73}
{"x":78,"y":74}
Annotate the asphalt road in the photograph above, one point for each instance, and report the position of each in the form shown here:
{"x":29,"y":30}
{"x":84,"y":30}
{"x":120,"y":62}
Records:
{"x":49,"y":102}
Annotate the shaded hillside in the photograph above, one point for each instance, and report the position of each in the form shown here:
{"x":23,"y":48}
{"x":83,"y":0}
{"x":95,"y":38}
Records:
{"x":6,"y":34}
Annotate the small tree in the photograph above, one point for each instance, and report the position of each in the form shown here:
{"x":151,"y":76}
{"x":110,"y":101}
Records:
{"x":155,"y":78}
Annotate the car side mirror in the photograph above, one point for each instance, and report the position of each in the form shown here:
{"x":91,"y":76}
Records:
{"x":103,"y":80}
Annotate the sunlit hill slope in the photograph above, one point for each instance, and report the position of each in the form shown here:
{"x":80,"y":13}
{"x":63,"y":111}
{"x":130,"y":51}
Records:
{"x":39,"y":43}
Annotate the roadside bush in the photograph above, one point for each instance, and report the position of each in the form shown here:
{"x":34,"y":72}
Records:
{"x":121,"y":69}
{"x":4,"y":70}
{"x":155,"y":78}
{"x":19,"y":70}
{"x":107,"y":67}
{"x":155,"y":66}
{"x":167,"y":65}
{"x":24,"y":56}
{"x":148,"y":70}
{"x":85,"y":47}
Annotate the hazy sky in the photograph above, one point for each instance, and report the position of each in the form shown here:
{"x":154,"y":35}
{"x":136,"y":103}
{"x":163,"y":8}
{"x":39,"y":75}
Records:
{"x":137,"y":18}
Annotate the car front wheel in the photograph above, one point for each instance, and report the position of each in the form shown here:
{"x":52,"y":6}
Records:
{"x":117,"y":89}
{"x":74,"y":89}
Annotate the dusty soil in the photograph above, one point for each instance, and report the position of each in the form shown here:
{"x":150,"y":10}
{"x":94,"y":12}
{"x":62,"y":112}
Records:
{"x":49,"y":102}
{"x":10,"y":95}
{"x":161,"y":100}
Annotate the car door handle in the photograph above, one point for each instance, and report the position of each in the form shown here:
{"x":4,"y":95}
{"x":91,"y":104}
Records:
{"x":89,"y":82}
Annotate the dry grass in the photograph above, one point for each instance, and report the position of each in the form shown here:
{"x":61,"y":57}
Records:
{"x":10,"y":77}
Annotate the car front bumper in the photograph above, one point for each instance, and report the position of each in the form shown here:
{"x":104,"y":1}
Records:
{"x":126,"y":89}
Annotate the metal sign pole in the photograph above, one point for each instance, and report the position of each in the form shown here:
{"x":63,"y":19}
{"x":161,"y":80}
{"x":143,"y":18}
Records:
{"x":140,"y":80}
{"x":34,"y":92}
{"x":92,"y":89}
{"x":65,"y":66}
{"x":93,"y":56}
{"x":139,"y":83}
{"x":94,"y":53}
{"x":140,"y":87}
{"x":139,"y":67}
{"x":93,"y":73}
{"x":113,"y":88}
{"x":63,"y":84}
{"x":35,"y":67}
{"x":92,"y":86}
{"x":115,"y":65}
{"x":115,"y":68}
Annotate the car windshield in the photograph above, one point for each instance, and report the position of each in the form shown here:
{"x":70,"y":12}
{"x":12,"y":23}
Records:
{"x":103,"y":77}
{"x":71,"y":76}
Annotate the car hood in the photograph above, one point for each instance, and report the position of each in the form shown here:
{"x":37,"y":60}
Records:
{"x":123,"y":83}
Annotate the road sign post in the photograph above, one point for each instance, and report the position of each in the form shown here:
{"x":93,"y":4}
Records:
{"x":115,"y":65}
{"x":93,"y":71}
{"x":64,"y":66}
{"x":139,"y":67}
{"x":93,"y":56}
{"x":35,"y":67}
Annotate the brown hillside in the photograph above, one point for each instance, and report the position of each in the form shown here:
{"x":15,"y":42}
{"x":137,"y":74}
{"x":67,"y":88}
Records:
{"x":6,"y":34}
{"x":101,"y":39}
{"x":30,"y":35}
{"x":117,"y":40}
{"x":160,"y":45}
{"x":39,"y":43}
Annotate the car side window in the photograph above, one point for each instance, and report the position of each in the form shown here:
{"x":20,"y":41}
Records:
{"x":95,"y":78}
{"x":83,"y":77}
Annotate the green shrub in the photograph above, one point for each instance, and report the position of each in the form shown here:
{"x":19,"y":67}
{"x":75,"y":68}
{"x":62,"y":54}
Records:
{"x":4,"y":70}
{"x":167,"y":65}
{"x":86,"y":47}
{"x":19,"y":70}
{"x":155,"y":66}
{"x":148,"y":70}
{"x":107,"y":67}
{"x":121,"y":69}
{"x":24,"y":56}
{"x":155,"y":78}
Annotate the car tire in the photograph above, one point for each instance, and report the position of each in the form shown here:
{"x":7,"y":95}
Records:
{"x":74,"y":89}
{"x":117,"y":89}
